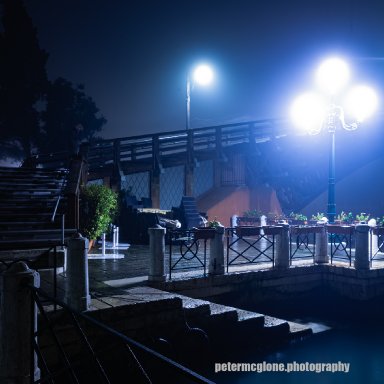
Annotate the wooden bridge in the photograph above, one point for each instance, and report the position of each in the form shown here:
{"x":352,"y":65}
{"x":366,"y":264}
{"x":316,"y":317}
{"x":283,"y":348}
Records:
{"x":154,"y":154}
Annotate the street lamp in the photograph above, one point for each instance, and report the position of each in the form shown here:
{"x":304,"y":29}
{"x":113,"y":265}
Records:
{"x":202,"y":75}
{"x":312,"y":113}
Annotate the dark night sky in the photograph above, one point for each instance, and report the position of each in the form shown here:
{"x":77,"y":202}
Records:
{"x":133,"y":56}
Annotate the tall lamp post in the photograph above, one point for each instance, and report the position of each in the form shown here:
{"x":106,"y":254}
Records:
{"x":202,"y":75}
{"x":310,"y":112}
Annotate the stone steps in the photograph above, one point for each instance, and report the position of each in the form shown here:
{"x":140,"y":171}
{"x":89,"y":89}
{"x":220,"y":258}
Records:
{"x":215,"y":319}
{"x":175,"y":325}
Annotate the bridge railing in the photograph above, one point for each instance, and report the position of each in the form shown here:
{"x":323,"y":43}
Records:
{"x":155,"y":147}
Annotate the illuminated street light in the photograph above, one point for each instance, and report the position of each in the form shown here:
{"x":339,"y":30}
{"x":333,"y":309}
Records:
{"x":202,"y":75}
{"x":310,"y":113}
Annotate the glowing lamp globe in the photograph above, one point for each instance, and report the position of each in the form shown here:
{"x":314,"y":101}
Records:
{"x":361,"y":102}
{"x":203,"y":75}
{"x":332,"y":75}
{"x":307,"y":112}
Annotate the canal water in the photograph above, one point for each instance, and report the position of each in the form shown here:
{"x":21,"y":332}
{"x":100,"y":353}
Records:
{"x":348,"y":332}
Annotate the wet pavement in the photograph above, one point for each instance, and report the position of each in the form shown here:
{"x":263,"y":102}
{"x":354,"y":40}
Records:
{"x":123,"y":268}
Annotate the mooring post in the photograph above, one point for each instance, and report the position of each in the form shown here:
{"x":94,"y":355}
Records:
{"x":362,"y":246}
{"x":216,"y":256}
{"x":18,"y":323}
{"x":282,"y":247}
{"x":157,"y":253}
{"x":321,"y":246}
{"x":77,"y":283}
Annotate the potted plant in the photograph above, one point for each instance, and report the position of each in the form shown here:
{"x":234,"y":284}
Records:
{"x":319,"y":218}
{"x":344,"y":218}
{"x":98,"y":207}
{"x":214,"y":223}
{"x":250,"y":217}
{"x":362,"y":218}
{"x":297,"y":218}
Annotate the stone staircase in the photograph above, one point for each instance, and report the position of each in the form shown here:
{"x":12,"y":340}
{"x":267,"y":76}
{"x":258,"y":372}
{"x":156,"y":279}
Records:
{"x":31,"y":206}
{"x":193,"y":332}
{"x":143,"y":310}
{"x":32,"y":209}
{"x":191,"y":217}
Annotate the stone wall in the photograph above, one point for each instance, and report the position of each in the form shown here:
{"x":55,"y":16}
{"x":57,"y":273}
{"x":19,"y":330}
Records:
{"x":279,"y":283}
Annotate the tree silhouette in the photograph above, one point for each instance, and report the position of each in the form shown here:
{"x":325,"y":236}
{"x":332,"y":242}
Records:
{"x":23,"y":80}
{"x":70,"y":118}
{"x":35,"y":113}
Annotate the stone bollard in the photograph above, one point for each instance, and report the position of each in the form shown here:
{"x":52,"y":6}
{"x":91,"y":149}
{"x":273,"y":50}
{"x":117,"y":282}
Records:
{"x":321,"y":246}
{"x":18,"y":322}
{"x":282,"y":247}
{"x":77,"y":283}
{"x":233,"y":223}
{"x":157,"y":252}
{"x":362,"y":246}
{"x":373,"y":238}
{"x":216,"y":255}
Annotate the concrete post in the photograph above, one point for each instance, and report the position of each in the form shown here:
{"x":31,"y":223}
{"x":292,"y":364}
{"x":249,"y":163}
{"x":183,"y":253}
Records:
{"x":216,"y":256}
{"x":362,"y":246}
{"x":373,"y":244}
{"x":321,"y":246}
{"x":18,"y":322}
{"x":282,"y":247}
{"x":157,"y":252}
{"x":77,"y":283}
{"x":373,"y":238}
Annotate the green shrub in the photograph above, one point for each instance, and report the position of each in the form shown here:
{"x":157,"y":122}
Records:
{"x":98,"y":207}
{"x":345,"y":217}
{"x":362,"y":217}
{"x":252,"y":213}
{"x":297,"y":216}
{"x":319,"y":216}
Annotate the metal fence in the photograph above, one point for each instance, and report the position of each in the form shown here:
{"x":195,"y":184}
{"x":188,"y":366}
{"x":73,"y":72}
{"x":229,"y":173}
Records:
{"x":86,"y":350}
{"x":302,"y":242}
{"x":377,"y":244}
{"x":251,"y":245}
{"x":188,"y":249}
{"x":342,"y":241}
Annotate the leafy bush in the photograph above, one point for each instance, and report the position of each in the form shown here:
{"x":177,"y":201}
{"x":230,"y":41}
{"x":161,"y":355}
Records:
{"x":345,"y":217}
{"x":252,"y":213}
{"x":214,"y":223}
{"x":98,"y":207}
{"x":319,"y":216}
{"x":297,"y":216}
{"x":362,"y":217}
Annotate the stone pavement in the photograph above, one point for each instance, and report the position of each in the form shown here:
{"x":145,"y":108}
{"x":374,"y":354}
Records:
{"x":111,"y":275}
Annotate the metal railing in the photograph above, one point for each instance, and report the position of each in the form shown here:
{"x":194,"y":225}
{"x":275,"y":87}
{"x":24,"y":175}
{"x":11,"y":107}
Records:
{"x":302,"y":242}
{"x":251,"y":245}
{"x":188,"y":249}
{"x":89,"y":359}
{"x":342,"y":242}
{"x":377,"y":244}
{"x":39,"y":261}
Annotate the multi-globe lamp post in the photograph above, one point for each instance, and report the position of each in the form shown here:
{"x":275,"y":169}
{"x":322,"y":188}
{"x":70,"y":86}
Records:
{"x":201,"y":75}
{"x":315,"y":112}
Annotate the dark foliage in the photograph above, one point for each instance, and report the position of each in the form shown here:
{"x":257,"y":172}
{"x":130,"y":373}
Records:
{"x":23,"y":80}
{"x":70,"y":117}
{"x":35,"y":114}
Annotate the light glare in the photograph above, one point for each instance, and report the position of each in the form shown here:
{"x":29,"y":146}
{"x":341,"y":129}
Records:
{"x":307,"y":112}
{"x":203,"y":75}
{"x":332,"y":75}
{"x":361,"y":102}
